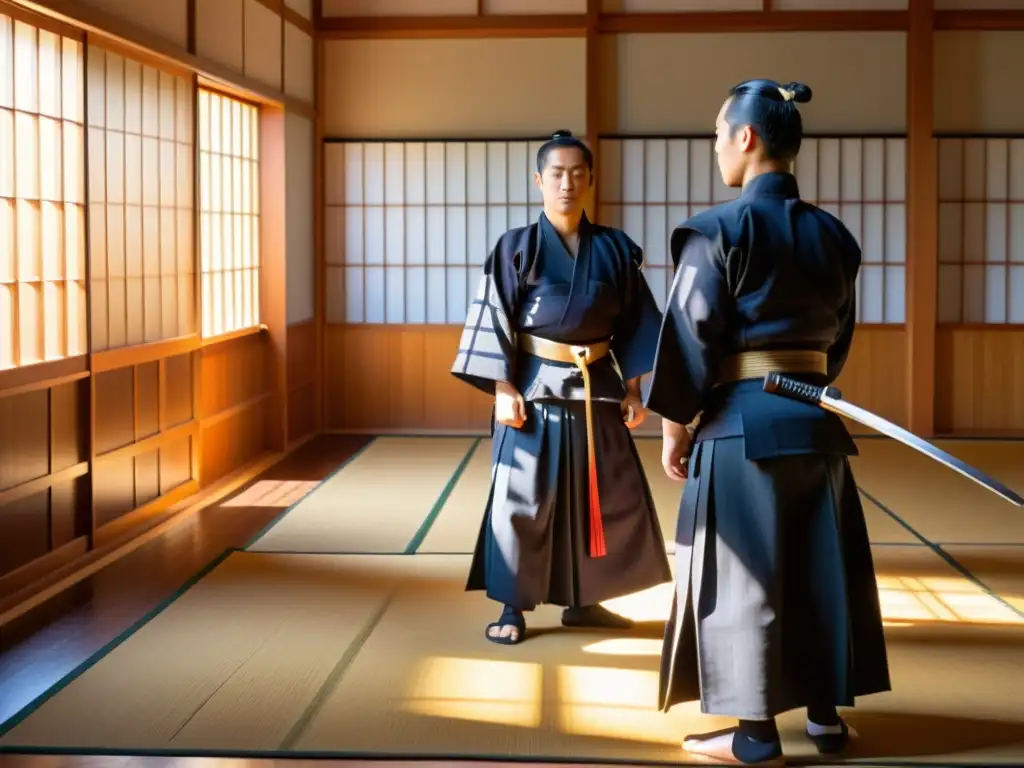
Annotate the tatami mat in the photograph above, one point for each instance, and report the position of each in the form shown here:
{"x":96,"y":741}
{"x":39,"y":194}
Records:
{"x":375,"y":503}
{"x":458,"y":523}
{"x":280,"y":653}
{"x":385,"y":655}
{"x":941,"y":504}
{"x":427,"y":494}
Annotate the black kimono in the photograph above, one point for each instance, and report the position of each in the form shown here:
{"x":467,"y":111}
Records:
{"x":532,"y":546}
{"x":776,"y":604}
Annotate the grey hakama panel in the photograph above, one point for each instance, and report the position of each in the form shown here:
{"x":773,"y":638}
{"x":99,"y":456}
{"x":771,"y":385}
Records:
{"x":747,"y":637}
{"x":533,"y":543}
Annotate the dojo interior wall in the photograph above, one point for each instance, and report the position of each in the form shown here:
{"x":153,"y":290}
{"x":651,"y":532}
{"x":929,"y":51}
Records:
{"x":390,"y":103}
{"x":120,"y":394}
{"x":979,"y":117}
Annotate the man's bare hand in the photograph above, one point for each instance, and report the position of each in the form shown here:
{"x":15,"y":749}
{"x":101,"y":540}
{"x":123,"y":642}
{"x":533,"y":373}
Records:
{"x":676,"y":447}
{"x":509,"y":406}
{"x":633,"y":411}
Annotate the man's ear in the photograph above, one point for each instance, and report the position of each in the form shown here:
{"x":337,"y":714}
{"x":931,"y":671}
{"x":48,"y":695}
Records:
{"x":748,"y":139}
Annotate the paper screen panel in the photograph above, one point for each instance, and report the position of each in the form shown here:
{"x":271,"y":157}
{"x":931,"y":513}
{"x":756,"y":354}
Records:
{"x":981,"y":230}
{"x":42,"y":196}
{"x":648,"y":186}
{"x":229,"y":207}
{"x":141,"y":167}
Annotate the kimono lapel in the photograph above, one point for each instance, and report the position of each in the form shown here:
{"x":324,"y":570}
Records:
{"x":580,"y":264}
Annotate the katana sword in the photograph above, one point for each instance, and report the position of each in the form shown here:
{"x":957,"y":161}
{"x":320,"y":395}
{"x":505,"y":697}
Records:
{"x":831,"y":399}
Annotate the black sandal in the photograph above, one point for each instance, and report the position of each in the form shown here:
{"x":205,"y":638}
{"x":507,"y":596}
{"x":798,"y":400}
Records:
{"x":510,"y":617}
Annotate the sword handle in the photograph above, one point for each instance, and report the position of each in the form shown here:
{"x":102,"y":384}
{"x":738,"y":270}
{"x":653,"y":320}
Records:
{"x":777,"y":384}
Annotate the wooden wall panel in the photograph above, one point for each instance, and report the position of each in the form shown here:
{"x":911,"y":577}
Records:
{"x":979,"y":380}
{"x":263,"y":44}
{"x":298,"y":62}
{"x":220,"y":32}
{"x":875,"y":377}
{"x":396,"y":379}
{"x":165,"y":18}
{"x":143,"y":423}
{"x":858,"y":79}
{"x":419,"y":88}
{"x":24,"y":532}
{"x":302,"y":7}
{"x":42,"y":471}
{"x":300,"y":175}
{"x":235,"y":386}
{"x":383,"y":378}
{"x":302,"y":389}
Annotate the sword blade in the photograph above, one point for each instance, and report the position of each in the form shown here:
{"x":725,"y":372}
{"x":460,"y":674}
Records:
{"x":831,"y":399}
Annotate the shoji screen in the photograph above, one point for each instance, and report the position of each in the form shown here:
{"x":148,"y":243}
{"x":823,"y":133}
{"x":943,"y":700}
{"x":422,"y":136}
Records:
{"x":409,"y":224}
{"x":141,"y":162}
{"x":229,"y":207}
{"x":648,"y":185}
{"x":981,"y":230}
{"x":42,"y":196}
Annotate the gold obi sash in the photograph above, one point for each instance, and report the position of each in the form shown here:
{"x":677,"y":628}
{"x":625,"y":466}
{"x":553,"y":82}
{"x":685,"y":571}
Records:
{"x":580,"y":355}
{"x":758,"y":363}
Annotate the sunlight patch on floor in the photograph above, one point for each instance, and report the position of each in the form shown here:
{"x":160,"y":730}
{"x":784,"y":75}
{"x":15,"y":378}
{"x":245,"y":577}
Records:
{"x":600,"y":702}
{"x":902,"y":598}
{"x":271,"y":493}
{"x":625,"y":646}
{"x":905,"y":598}
{"x":610,"y":703}
{"x":652,"y":604}
{"x":481,"y":690}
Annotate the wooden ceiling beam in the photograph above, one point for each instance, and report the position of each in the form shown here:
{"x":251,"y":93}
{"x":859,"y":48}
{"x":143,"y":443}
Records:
{"x":979,"y":20}
{"x":575,"y":25}
{"x":541,"y":25}
{"x":753,"y":21}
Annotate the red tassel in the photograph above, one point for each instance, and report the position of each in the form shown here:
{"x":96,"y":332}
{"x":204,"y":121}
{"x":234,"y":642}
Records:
{"x":597,"y":545}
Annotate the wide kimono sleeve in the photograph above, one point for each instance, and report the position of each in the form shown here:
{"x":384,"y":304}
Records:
{"x":839,"y":352}
{"x":635,"y":337}
{"x":693,"y":331}
{"x":487,"y":348}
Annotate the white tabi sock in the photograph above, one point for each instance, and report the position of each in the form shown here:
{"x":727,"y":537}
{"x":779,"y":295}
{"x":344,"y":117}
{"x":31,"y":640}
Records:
{"x":824,"y":730}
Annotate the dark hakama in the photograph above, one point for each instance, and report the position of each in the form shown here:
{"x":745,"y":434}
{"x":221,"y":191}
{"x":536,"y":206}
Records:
{"x":533,"y":542}
{"x":774,"y":577}
{"x":776,"y":603}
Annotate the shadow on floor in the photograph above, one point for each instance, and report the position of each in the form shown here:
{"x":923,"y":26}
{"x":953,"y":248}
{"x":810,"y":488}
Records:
{"x":906,"y":735}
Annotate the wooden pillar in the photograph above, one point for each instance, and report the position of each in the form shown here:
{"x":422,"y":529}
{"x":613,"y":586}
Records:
{"x":593,"y":97}
{"x":274,"y":270}
{"x":922,"y":220}
{"x":319,"y":246}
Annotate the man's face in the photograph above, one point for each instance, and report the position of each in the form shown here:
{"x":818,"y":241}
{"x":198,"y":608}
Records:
{"x":565,"y":180}
{"x":732,"y":150}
